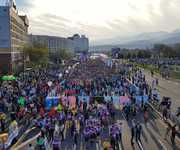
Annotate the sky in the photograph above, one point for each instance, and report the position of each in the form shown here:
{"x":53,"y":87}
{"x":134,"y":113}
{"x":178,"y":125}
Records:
{"x":100,"y":19}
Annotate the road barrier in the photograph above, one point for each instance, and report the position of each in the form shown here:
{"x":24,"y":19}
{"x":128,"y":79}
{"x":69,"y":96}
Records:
{"x":171,"y":121}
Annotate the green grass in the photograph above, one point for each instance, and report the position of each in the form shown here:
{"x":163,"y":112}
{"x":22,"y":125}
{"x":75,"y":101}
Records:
{"x":174,"y":74}
{"x":176,"y":68}
{"x":147,"y":67}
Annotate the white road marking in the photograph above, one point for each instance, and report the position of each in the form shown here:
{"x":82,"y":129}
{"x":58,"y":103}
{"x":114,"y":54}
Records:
{"x":140,"y":145}
{"x":81,"y":143}
{"x":123,"y":115}
{"x":97,"y":146}
{"x":120,"y":148}
{"x":74,"y":147}
{"x":65,"y":131}
{"x":163,"y":146}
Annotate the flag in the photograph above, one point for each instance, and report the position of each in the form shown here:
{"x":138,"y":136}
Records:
{"x":21,"y":101}
{"x":59,"y":108}
{"x":124,"y":100}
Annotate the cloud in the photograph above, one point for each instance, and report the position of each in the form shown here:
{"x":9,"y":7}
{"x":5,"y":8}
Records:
{"x":100,"y":19}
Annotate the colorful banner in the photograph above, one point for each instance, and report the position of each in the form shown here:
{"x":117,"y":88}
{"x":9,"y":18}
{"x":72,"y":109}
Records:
{"x":72,"y":101}
{"x":116,"y":100}
{"x":51,"y":101}
{"x":107,"y":98}
{"x":64,"y":100}
{"x":84,"y":99}
{"x":48,"y":103}
{"x":124,"y":100}
{"x":139,"y":99}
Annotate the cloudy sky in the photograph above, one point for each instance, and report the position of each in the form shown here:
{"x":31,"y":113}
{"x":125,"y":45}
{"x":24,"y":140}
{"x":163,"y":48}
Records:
{"x":100,"y":19}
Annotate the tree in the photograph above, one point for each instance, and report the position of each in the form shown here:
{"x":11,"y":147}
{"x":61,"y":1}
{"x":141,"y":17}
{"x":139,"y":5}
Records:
{"x":37,"y":53}
{"x":177,"y":50}
{"x":165,"y":51}
{"x":65,"y":54}
{"x":108,"y":53}
{"x":144,"y":54}
{"x":140,"y":54}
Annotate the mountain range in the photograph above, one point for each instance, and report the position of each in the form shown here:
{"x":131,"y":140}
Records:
{"x":142,"y":41}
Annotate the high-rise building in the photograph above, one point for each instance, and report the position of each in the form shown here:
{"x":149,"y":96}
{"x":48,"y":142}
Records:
{"x":75,"y":44}
{"x":81,"y":43}
{"x":13,"y":37}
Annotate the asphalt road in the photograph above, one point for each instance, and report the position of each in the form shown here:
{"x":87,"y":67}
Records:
{"x":153,"y":132}
{"x":169,"y":88}
{"x":152,"y":136}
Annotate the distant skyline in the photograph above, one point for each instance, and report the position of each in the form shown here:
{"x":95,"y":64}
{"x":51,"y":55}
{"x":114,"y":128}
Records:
{"x":100,"y":19}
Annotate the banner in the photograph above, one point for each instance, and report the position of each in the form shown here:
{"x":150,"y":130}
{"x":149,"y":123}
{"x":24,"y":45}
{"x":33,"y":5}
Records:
{"x":48,"y":103}
{"x":116,"y":100}
{"x":144,"y":98}
{"x":72,"y":101}
{"x":64,"y":100}
{"x":83,"y":99}
{"x":51,"y":101}
{"x":107,"y":98}
{"x":138,"y":99}
{"x":124,"y":100}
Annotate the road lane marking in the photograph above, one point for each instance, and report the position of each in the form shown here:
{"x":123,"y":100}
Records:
{"x":140,"y":145}
{"x":65,"y":131}
{"x":97,"y":146}
{"x":81,"y":143}
{"x":28,"y":141}
{"x":74,"y":146}
{"x":22,"y":137}
{"x":163,"y":146}
{"x":123,"y":115}
{"x":120,"y":146}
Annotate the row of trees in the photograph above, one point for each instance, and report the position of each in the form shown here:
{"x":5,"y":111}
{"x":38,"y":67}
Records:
{"x":62,"y":54}
{"x":135,"y":54}
{"x":39,"y":54}
{"x":158,"y":51}
{"x":166,"y":51}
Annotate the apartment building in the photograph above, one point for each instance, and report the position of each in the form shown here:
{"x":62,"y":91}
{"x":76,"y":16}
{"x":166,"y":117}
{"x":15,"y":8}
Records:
{"x":13,"y":37}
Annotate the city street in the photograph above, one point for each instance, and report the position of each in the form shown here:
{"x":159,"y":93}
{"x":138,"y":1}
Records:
{"x":152,"y":136}
{"x":169,"y":88}
{"x":83,"y":75}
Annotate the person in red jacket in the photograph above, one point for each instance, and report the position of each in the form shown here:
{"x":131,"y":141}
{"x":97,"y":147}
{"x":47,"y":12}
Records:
{"x":52,"y":113}
{"x":42,"y":112}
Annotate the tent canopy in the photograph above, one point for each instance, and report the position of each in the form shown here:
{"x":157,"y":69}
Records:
{"x":8,"y":78}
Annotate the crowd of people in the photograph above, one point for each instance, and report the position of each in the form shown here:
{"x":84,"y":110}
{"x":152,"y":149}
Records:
{"x":87,"y":97}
